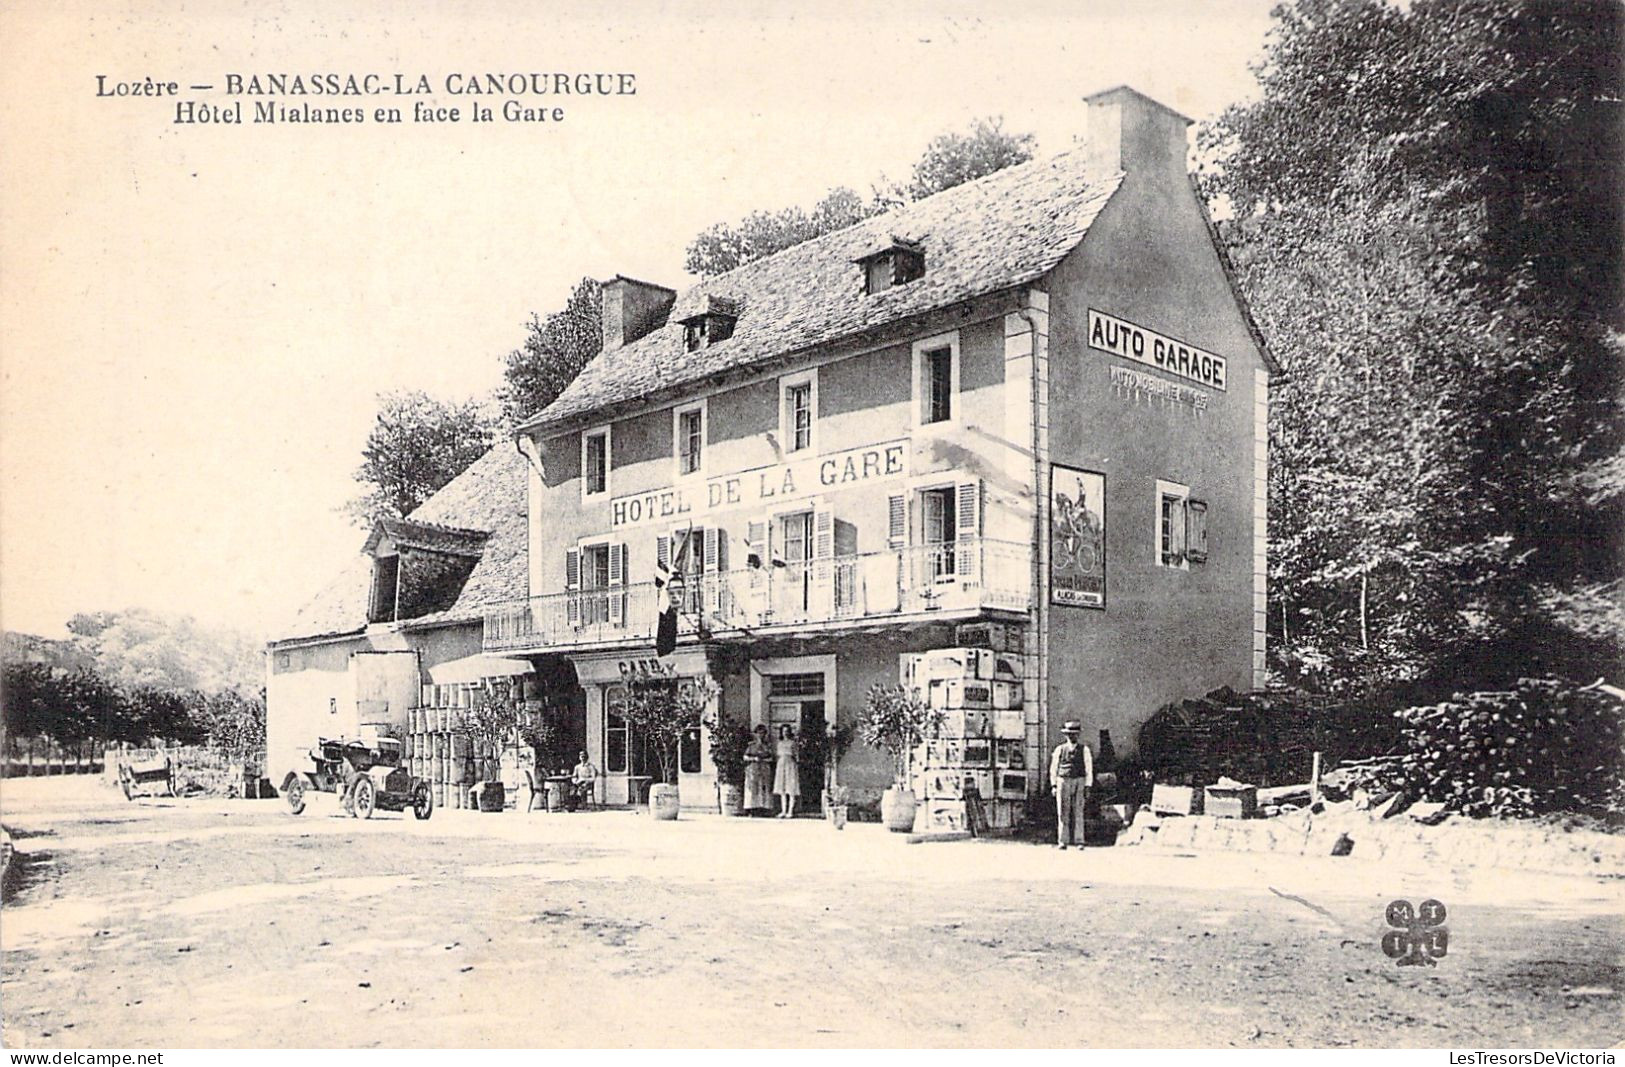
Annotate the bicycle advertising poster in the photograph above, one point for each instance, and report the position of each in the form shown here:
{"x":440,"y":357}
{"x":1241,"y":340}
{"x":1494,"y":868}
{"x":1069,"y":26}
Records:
{"x":1077,"y":537}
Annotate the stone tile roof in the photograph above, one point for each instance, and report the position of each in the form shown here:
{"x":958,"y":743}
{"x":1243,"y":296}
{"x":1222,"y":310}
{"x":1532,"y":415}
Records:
{"x":1000,"y":231}
{"x":450,"y":540}
{"x":486,"y":501}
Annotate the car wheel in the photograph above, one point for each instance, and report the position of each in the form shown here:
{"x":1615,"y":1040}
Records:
{"x":364,"y":798}
{"x":422,"y":801}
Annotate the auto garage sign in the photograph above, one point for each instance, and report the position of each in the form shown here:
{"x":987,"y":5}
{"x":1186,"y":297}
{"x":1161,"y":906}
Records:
{"x":1122,"y":338}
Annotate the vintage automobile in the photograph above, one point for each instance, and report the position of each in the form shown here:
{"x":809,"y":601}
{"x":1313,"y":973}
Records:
{"x":365,"y":773}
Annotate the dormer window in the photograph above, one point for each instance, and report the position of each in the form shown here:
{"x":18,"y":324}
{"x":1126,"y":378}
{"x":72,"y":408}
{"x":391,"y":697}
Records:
{"x":714,"y":324}
{"x":900,"y":262}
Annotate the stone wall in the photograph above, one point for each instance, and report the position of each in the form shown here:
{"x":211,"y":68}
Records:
{"x":1398,"y":840}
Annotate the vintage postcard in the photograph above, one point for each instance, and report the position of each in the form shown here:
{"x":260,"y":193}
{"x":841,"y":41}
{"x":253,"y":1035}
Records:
{"x":754,"y":525}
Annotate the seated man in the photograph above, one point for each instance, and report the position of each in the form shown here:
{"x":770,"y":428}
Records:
{"x":583,"y":782}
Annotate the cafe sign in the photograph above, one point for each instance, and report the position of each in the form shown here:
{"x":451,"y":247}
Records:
{"x":1122,"y":338}
{"x":763,"y":486}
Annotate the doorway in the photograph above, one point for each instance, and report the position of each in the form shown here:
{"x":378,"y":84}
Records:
{"x":797,"y":701}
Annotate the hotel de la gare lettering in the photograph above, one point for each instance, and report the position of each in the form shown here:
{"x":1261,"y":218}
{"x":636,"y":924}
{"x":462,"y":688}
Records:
{"x":1024,"y":416}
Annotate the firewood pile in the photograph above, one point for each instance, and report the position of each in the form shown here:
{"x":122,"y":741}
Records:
{"x":1265,"y":738}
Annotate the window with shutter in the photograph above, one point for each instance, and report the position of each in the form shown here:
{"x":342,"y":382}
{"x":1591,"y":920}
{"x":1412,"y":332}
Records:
{"x":897,"y":521}
{"x":1172,"y":523}
{"x":968,"y":529}
{"x":756,"y":545}
{"x":938,"y":516}
{"x":572,"y":584}
{"x":821,"y":594}
{"x":847,"y":578}
{"x":757,"y":563}
{"x":716,"y":558}
{"x":617,"y":583}
{"x":1196,"y":531}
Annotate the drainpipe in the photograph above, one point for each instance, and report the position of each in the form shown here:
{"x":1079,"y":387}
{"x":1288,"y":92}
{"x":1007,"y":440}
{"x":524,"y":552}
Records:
{"x":1038,"y":608}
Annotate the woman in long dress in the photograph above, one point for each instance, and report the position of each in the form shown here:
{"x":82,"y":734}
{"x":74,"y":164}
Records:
{"x":786,"y":776}
{"x":759,"y":772}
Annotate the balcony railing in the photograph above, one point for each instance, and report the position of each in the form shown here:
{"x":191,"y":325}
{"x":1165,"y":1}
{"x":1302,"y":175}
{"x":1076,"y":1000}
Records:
{"x":957,"y":577}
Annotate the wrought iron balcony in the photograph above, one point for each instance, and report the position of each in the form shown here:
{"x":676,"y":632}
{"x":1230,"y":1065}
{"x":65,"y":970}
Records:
{"x":958,"y":578}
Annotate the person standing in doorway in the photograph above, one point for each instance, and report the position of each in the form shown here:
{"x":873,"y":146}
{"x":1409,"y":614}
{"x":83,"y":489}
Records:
{"x":786,"y":776}
{"x":1072,"y":773}
{"x":759,"y":771}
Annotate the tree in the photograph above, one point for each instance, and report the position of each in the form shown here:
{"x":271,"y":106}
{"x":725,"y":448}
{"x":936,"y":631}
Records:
{"x":662,"y":710}
{"x":235,"y":724}
{"x":949,"y":160}
{"x":895,"y":721}
{"x":139,"y":648}
{"x":1424,"y":218}
{"x":723,"y":247}
{"x":554,"y":351}
{"x":955,"y":158}
{"x":417,"y":445}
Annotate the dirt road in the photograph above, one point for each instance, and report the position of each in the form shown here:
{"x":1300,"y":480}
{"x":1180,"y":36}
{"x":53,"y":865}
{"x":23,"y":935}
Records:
{"x":167,"y":923}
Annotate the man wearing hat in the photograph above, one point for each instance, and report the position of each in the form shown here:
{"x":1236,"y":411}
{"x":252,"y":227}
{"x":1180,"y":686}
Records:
{"x":1072,"y":772}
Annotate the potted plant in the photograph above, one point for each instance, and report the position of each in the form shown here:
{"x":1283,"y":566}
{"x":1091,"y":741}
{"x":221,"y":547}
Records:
{"x":894,"y":720}
{"x":542,"y":730}
{"x":490,"y":723}
{"x":729,"y":738}
{"x":663,"y":710}
{"x":818,"y":753}
{"x":837,"y":798}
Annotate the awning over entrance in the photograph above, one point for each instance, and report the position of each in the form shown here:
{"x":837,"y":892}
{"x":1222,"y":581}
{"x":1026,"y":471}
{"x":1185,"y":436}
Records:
{"x":476,"y":667}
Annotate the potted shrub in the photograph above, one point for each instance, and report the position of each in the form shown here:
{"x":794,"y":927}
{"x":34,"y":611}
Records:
{"x":491,"y":722}
{"x":894,"y":720}
{"x":662,"y":710}
{"x":729,"y":738}
{"x":817,"y":754}
{"x":837,"y":797}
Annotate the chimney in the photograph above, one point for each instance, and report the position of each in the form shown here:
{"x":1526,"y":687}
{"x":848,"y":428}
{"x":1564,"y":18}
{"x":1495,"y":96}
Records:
{"x":633,"y":309}
{"x":1130,"y":132}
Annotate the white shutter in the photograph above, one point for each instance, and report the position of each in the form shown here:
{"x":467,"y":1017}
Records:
{"x":617,"y":583}
{"x":823,"y":550}
{"x":715,"y":551}
{"x":756,"y":549}
{"x":1176,"y":531}
{"x":847,"y":579}
{"x":572,"y":585}
{"x":968,"y":530}
{"x":663,"y":550}
{"x":1196,"y":531}
{"x":897,"y":521}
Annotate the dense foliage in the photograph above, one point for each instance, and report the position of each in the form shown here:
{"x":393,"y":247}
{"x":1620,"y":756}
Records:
{"x":729,"y":739}
{"x":895,"y":721}
{"x":662,"y":710}
{"x":554,"y":351}
{"x":417,"y":445}
{"x":1424,"y":215}
{"x":949,"y":160}
{"x":138,"y":677}
{"x":1541,"y":746}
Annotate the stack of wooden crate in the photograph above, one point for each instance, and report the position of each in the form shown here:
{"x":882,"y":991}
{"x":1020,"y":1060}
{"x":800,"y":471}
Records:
{"x":977,"y":749}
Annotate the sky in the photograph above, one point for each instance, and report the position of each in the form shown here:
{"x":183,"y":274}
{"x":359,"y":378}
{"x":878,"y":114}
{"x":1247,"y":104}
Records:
{"x":196,"y":320}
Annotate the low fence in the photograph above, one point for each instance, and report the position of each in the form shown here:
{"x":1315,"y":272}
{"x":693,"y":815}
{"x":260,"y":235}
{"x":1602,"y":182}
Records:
{"x":198,"y":769}
{"x":35,"y":757}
